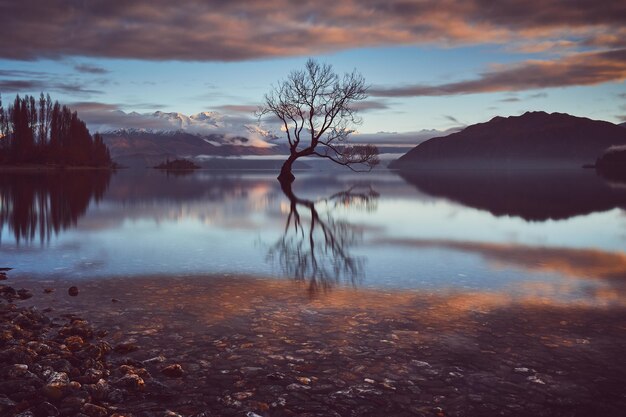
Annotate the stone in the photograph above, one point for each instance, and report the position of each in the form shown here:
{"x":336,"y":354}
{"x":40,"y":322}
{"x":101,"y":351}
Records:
{"x":126,"y":347}
{"x":73,"y":291}
{"x":74,"y":343}
{"x":24,"y":294}
{"x":173,"y":371}
{"x":116,"y":396}
{"x":131,"y":381}
{"x":46,"y":409}
{"x":57,"y":386}
{"x":93,"y":410}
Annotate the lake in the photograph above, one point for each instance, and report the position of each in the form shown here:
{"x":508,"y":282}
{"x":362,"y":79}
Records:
{"x":557,"y":237}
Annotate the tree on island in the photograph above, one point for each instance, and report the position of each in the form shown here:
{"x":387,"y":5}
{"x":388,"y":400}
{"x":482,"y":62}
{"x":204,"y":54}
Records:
{"x":315,"y":107}
{"x":177,"y":164}
{"x":42,"y":132}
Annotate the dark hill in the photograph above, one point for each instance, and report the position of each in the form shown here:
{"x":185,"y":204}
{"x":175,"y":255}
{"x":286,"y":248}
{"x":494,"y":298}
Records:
{"x":532,"y":140}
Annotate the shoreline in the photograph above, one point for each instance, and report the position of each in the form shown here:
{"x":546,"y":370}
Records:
{"x":250,"y":345}
{"x":20,"y":168}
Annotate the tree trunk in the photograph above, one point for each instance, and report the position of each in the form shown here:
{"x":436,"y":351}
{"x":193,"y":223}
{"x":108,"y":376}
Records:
{"x":285,"y":171}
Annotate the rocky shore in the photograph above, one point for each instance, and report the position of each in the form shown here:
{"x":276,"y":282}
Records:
{"x":246,"y":347}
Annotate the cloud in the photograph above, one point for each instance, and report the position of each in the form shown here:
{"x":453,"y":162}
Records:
{"x":451,"y":118}
{"x":239,"y":108}
{"x":200,"y":30}
{"x":90,"y":69}
{"x":403,"y":138}
{"x":34,"y":82}
{"x":34,"y":86}
{"x":90,"y":106}
{"x":587,"y":68}
{"x":370,"y":105}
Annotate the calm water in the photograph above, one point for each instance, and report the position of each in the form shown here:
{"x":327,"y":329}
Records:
{"x":549,"y":235}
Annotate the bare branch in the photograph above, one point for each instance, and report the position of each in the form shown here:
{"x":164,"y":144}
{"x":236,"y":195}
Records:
{"x":322,"y":102}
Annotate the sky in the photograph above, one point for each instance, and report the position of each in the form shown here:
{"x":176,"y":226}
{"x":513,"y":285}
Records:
{"x":429,"y":64}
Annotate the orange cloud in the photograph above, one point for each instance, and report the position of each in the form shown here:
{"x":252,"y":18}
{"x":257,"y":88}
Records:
{"x":237,"y":29}
{"x":587,"y":68}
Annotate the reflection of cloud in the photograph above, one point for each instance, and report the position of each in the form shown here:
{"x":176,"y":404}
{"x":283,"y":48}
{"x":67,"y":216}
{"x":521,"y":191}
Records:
{"x":587,"y":68}
{"x":582,"y":263}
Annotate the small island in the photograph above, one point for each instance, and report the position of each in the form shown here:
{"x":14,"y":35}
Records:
{"x":177,"y":165}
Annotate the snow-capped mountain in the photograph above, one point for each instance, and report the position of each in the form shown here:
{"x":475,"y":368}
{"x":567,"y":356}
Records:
{"x":149,"y":138}
{"x":219,"y":129}
{"x":160,"y":135}
{"x":196,"y":122}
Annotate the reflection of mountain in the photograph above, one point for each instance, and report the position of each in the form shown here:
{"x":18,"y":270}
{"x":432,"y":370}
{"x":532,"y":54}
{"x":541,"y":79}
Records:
{"x":533,"y":140}
{"x":35,"y":203}
{"x":532,"y":195}
{"x":147,"y":186}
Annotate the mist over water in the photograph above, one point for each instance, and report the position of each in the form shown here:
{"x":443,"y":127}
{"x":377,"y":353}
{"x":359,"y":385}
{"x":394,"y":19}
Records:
{"x":558,"y":236}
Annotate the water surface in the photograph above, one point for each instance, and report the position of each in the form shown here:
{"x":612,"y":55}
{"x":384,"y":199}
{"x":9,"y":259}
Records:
{"x":558,"y":236}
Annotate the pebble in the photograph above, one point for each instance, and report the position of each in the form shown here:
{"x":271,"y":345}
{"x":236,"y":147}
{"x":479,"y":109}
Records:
{"x":173,"y":371}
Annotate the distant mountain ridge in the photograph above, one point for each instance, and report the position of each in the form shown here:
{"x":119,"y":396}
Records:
{"x":176,"y":135}
{"x":532,"y":140}
{"x":145,"y":148}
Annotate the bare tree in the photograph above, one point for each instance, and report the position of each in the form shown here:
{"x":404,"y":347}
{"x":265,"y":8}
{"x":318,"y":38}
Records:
{"x":316,"y":109}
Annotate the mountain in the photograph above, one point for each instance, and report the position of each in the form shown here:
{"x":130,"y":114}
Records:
{"x":532,"y":140}
{"x":174,"y":135}
{"x":132,"y":147}
{"x":200,"y":121}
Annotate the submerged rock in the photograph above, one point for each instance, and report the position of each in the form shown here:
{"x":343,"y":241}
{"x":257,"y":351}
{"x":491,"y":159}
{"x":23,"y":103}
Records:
{"x":57,"y":386}
{"x":173,"y":371}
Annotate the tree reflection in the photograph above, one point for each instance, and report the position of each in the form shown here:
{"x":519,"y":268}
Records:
{"x":42,"y":204}
{"x":315,"y":246}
